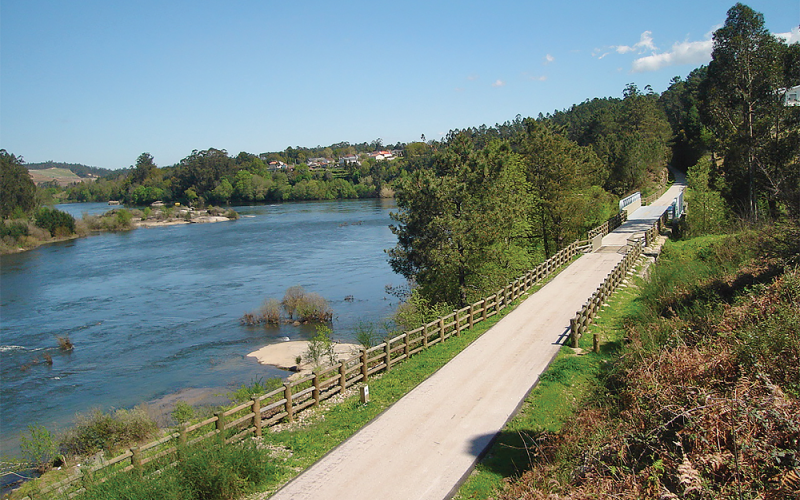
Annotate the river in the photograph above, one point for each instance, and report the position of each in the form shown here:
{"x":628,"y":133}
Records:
{"x":155,"y":311}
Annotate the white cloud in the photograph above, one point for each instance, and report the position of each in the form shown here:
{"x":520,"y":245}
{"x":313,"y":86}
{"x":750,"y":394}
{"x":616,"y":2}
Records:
{"x":499,"y":83}
{"x":472,"y":78}
{"x":644,"y":44}
{"x":548,"y":59}
{"x":682,"y":53}
{"x":790,"y":37}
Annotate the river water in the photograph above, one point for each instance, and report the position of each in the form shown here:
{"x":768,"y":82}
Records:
{"x":155,"y":311}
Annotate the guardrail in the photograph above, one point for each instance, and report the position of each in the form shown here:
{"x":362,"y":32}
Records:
{"x":284,"y":403}
{"x":630,"y":200}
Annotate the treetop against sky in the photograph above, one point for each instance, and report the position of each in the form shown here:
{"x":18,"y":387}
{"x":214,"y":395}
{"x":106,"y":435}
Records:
{"x":98,"y":82}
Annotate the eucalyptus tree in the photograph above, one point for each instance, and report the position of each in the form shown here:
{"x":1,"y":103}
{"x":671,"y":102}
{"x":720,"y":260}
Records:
{"x":742,"y":102}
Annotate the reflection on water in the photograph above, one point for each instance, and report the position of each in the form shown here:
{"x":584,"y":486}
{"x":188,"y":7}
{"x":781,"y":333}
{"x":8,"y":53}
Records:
{"x":155,"y":311}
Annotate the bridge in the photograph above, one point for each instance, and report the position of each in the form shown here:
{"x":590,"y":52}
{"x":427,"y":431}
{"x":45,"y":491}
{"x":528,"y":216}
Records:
{"x":427,"y":443}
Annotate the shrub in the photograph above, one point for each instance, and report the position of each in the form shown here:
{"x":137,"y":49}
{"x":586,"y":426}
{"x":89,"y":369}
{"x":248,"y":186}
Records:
{"x":55,"y":221}
{"x":292,"y":298}
{"x":182,"y":412}
{"x":224,"y":472}
{"x":366,"y":335}
{"x":312,"y":307}
{"x":124,"y":219}
{"x":321,"y":346}
{"x":417,"y":311}
{"x":257,"y":386}
{"x":270,"y":311}
{"x":108,"y":431}
{"x":13,"y":229}
{"x":39,"y":448}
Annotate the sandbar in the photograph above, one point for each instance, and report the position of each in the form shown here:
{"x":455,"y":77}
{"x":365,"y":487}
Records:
{"x":284,"y":355}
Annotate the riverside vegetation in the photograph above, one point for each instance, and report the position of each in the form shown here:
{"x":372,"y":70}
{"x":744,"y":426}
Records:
{"x":299,"y":305}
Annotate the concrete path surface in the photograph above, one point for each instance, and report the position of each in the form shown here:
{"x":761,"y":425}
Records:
{"x":427,"y":442}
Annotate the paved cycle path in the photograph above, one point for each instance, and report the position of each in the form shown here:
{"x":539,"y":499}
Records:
{"x":424,"y":445}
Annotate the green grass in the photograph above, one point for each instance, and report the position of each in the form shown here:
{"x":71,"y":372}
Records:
{"x":569,"y":380}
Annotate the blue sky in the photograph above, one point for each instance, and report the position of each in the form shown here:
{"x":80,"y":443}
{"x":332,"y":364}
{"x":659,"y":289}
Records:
{"x":100,"y":82}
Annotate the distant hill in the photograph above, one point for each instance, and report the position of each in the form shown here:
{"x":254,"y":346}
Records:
{"x":76,"y":168}
{"x":63,"y":176}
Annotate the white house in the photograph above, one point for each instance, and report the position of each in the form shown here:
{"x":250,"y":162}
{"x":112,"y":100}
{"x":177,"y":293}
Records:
{"x":791,"y":96}
{"x":349,"y":159}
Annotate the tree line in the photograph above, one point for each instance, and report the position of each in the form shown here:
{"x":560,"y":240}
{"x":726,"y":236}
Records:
{"x":492,"y":200}
{"x":483,"y":203}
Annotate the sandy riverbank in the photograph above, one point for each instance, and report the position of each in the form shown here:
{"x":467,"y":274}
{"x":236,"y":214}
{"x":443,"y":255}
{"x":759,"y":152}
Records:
{"x":205,"y":219}
{"x":284,"y":355}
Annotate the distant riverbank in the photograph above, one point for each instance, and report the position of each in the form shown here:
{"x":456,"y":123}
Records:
{"x":113,"y":218}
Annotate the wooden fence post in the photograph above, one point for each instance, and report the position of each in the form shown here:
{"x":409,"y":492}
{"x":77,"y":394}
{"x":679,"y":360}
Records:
{"x":387,"y":350}
{"x":425,"y":336}
{"x":364,"y":367}
{"x":484,"y":311}
{"x":342,"y":377}
{"x":220,"y":424}
{"x":441,"y":328}
{"x":573,"y":326}
{"x":406,"y":346}
{"x":458,"y":326}
{"x":183,"y":437}
{"x":256,"y":414}
{"x":315,"y":392}
{"x":287,"y":395}
{"x":471,"y":315}
{"x":136,"y":459}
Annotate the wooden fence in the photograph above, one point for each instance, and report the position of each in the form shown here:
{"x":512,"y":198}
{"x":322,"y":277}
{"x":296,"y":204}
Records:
{"x":653,"y":197}
{"x":609,"y":225}
{"x":284,"y":403}
{"x":583,"y":318}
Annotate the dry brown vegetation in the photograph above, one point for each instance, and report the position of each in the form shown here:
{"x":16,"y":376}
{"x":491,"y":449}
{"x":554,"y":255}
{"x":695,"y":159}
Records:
{"x":703,"y":403}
